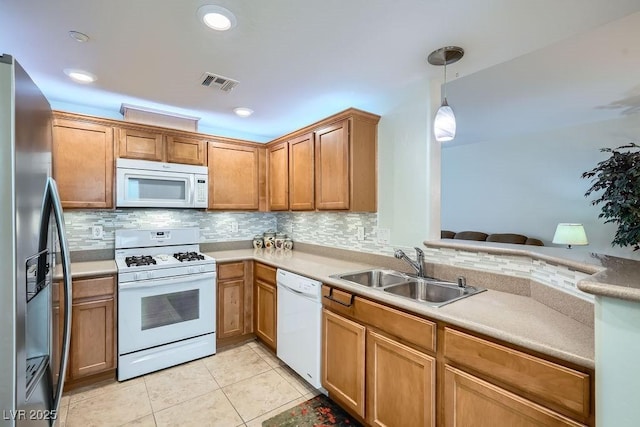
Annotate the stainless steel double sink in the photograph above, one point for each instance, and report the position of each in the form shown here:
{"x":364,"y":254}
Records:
{"x":427,"y":290}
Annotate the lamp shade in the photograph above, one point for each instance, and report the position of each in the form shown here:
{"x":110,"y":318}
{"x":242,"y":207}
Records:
{"x":444,"y":125}
{"x":570,"y":234}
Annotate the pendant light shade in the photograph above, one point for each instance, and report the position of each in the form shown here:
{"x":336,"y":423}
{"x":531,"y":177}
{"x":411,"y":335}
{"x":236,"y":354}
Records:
{"x":444,"y":123}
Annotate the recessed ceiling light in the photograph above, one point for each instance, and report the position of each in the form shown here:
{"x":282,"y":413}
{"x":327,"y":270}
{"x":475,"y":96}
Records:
{"x":78,"y":36}
{"x":217,"y":17}
{"x":243,"y":111}
{"x":80,"y":76}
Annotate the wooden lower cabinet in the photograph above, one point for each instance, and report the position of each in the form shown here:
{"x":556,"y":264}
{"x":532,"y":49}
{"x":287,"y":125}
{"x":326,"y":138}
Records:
{"x":230,"y":308}
{"x":343,"y":361}
{"x":265,"y":312}
{"x":265,"y":304}
{"x":471,"y":401}
{"x":234,"y":302}
{"x":92,"y":350}
{"x":92,"y":338}
{"x":401,"y":383}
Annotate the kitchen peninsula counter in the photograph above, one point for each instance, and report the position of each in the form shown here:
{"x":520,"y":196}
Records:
{"x":515,"y":319}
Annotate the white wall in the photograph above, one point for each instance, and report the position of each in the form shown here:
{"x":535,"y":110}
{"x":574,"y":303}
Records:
{"x":529,"y":184}
{"x":403,"y":138}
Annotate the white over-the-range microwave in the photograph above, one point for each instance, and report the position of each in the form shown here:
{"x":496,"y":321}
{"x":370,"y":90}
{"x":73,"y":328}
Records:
{"x":145,"y":184}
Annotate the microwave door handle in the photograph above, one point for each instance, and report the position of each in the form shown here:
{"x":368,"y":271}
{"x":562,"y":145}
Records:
{"x":154,"y":283}
{"x":52,"y":203}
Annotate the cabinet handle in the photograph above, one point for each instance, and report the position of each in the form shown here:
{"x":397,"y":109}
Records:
{"x":331,"y":298}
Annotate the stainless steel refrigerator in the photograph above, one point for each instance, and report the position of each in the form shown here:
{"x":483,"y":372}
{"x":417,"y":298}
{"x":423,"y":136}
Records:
{"x":34,"y":344}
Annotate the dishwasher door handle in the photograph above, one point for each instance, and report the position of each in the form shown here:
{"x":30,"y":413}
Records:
{"x":331,"y":298}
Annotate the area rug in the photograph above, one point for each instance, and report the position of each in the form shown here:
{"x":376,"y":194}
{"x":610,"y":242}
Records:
{"x":317,"y":412}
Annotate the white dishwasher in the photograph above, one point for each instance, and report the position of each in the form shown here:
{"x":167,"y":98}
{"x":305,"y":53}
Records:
{"x":299,"y":324}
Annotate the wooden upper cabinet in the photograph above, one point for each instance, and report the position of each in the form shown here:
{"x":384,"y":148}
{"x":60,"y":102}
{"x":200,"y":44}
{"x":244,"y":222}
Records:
{"x":138,"y":144}
{"x":301,"y":173}
{"x":278,"y":167}
{"x":233,"y":176}
{"x":346,"y":164}
{"x":191,"y":151}
{"x":332,"y":166}
{"x":83,"y":163}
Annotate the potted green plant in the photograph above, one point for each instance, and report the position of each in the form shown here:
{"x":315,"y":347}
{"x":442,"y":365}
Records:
{"x":618,"y":177}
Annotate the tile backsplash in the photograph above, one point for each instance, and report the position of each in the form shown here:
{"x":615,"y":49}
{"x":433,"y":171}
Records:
{"x":333,"y":229}
{"x":214,"y":226}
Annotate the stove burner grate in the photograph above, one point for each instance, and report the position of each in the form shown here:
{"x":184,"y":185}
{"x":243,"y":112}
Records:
{"x":188,"y":256}
{"x":136,"y":261}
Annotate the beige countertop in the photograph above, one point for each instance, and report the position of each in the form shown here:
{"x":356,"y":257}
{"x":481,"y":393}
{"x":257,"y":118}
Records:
{"x":87,"y":269}
{"x":610,"y":276}
{"x":515,"y":319}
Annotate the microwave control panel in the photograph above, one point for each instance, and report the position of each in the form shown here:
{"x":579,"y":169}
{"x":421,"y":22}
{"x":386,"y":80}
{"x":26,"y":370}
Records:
{"x":201,"y":192}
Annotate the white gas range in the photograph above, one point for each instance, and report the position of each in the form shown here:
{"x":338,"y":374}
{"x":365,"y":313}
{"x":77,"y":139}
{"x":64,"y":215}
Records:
{"x":166,"y":300}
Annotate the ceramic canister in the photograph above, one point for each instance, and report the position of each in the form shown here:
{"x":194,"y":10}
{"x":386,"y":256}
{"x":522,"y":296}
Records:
{"x":257,"y":241}
{"x":269,"y":239}
{"x":279,"y":242}
{"x":288,"y":243}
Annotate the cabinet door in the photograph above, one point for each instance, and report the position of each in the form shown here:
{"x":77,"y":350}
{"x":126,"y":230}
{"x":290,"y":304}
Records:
{"x":190,"y":151}
{"x":470,"y":401}
{"x":343,"y":360}
{"x":301,"y":173}
{"x":233,"y":176}
{"x":230,"y":308}
{"x":265,"y":312}
{"x":92,"y":338}
{"x":332,"y":166}
{"x":278,"y":167}
{"x":137,"y":144}
{"x":83,"y":164}
{"x":400,"y":384}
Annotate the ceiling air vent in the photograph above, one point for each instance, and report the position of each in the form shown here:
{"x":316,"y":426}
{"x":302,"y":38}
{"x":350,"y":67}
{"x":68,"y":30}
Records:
{"x":216,"y":81}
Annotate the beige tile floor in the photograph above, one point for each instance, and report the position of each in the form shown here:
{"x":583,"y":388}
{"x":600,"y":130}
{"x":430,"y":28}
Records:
{"x":241,"y":386}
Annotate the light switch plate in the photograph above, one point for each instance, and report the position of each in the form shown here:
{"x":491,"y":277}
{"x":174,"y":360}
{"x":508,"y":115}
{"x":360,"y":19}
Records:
{"x":360,"y":235}
{"x":384,"y":236}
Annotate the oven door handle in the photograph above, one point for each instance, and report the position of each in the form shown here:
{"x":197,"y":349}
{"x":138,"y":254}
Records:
{"x":153,"y":283}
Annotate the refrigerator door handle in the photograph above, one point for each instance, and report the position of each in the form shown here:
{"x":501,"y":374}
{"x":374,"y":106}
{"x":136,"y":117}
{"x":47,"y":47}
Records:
{"x":52,"y":203}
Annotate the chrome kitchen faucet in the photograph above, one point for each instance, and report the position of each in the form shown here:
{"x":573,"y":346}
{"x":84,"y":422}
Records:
{"x":417,"y":265}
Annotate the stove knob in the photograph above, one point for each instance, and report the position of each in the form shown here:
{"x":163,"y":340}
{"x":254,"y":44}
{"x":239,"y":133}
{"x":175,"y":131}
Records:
{"x":141,"y":275}
{"x":202,"y":269}
{"x":192,"y":270}
{"x":150,"y":275}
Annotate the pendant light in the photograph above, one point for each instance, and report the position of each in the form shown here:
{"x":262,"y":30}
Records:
{"x":444,"y":124}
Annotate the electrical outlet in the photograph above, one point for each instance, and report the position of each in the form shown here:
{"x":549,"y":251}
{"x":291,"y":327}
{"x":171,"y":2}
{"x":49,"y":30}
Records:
{"x":384,"y":236}
{"x":234,"y":226}
{"x":97,"y":232}
{"x":360,"y":235}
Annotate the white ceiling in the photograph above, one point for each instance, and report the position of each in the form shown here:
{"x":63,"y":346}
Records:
{"x":297,"y":60}
{"x":590,"y":77}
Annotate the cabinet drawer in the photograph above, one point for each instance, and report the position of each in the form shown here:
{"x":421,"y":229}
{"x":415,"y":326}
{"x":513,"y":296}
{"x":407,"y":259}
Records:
{"x":230,"y":271}
{"x":407,"y":327}
{"x":545,"y":380}
{"x":94,"y":287}
{"x":265,"y":273}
